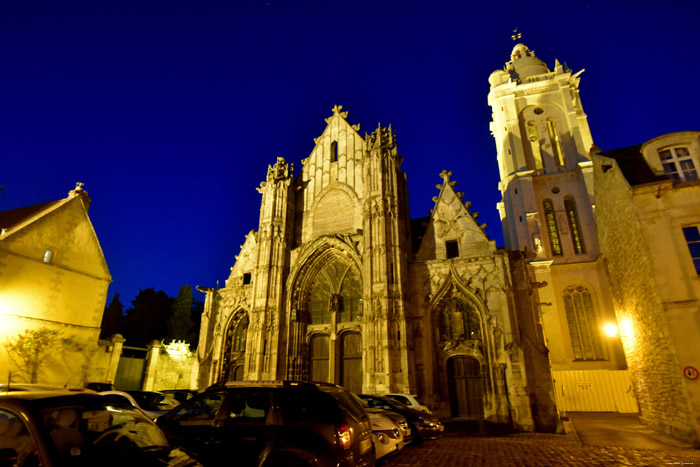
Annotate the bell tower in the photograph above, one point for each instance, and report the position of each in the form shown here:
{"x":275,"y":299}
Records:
{"x":547,"y":207}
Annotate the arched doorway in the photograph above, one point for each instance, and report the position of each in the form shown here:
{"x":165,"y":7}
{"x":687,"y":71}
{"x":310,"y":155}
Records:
{"x":334,"y":309}
{"x":465,"y":387}
{"x":232,"y":368}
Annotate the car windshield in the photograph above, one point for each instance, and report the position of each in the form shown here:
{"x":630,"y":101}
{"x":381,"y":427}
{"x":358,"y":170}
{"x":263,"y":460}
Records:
{"x":154,"y":400}
{"x":96,"y":431}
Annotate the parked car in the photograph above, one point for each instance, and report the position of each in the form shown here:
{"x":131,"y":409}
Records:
{"x":273,"y":423}
{"x":180,"y":395}
{"x":410,"y":400}
{"x":423,"y":425}
{"x":5,"y":388}
{"x":126,"y":400}
{"x":98,"y":386}
{"x":154,"y":401}
{"x":386,"y":435}
{"x":62,"y":428}
{"x":398,"y":419}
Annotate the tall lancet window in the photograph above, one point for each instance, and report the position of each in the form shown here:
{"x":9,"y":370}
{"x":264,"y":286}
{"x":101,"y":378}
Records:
{"x":534,"y":144}
{"x":574,"y":226}
{"x":583,"y":324}
{"x":551,"y":222}
{"x":556,"y":144}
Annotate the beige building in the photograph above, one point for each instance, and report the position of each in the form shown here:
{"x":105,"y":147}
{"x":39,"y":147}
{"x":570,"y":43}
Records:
{"x":53,"y":275}
{"x":649,"y":227}
{"x":548,"y":209}
{"x":338,"y":284}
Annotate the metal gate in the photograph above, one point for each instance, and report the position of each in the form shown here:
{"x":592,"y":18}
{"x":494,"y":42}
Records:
{"x":594,"y":391}
{"x":130,"y":371}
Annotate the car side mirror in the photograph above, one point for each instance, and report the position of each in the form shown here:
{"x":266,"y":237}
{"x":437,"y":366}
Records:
{"x":8,"y":457}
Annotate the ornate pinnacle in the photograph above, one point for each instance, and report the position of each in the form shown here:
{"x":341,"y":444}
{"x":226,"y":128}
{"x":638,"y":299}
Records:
{"x":446,"y":174}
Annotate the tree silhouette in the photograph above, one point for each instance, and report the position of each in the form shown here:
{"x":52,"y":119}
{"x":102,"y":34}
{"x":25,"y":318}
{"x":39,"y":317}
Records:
{"x":113,"y":319}
{"x":145,"y":319}
{"x":180,"y":323}
{"x":33,"y":350}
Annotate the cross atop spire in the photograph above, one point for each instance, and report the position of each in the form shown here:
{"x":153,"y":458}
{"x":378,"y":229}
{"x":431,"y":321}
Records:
{"x":516,"y":35}
{"x":446,"y":174}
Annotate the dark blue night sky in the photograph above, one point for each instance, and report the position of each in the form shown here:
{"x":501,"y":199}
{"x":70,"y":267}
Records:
{"x":171,"y":112}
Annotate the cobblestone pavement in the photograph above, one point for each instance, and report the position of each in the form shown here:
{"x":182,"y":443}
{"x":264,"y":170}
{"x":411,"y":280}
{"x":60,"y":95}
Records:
{"x":532,"y":449}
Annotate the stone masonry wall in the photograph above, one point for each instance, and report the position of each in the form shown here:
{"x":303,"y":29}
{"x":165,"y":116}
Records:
{"x":640,"y":313}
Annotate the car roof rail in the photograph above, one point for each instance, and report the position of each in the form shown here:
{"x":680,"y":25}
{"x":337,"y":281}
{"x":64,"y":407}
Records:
{"x":271,"y":383}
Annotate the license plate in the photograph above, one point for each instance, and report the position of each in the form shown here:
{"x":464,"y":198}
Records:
{"x":365,"y":445}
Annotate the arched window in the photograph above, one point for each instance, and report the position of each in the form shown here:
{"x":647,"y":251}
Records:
{"x":319,"y":358}
{"x":350,"y":298}
{"x":459,"y":321}
{"x":583,"y":324}
{"x":337,"y":289}
{"x":556,"y":144}
{"x":534,"y":138}
{"x":552,"y":230}
{"x":574,"y":226}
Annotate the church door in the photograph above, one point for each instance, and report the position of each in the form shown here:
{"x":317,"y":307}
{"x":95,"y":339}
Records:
{"x":351,"y":361}
{"x":464,"y":378}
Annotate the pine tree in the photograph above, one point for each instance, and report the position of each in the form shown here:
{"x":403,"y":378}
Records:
{"x":180,"y":323}
{"x":113,"y":319}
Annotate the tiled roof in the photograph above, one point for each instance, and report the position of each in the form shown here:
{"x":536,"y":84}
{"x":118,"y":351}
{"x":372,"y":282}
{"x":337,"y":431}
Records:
{"x":633,"y":165}
{"x":9,"y":219}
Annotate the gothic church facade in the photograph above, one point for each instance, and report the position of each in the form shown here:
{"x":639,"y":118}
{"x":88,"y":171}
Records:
{"x":339,"y":285}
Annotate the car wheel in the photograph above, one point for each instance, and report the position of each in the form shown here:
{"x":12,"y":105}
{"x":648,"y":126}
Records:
{"x":417,"y":439}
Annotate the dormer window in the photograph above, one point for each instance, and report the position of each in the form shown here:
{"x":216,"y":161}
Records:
{"x":678,"y":163}
{"x":247,"y":277}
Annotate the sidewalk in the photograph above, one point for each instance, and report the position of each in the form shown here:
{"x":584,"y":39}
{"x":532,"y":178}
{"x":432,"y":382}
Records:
{"x":462,"y":448}
{"x":619,"y":429}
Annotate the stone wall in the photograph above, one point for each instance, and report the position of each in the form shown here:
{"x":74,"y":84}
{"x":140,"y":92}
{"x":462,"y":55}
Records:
{"x":645,"y":335}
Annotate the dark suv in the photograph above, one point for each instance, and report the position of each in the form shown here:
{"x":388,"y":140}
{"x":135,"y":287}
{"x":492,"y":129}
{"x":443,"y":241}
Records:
{"x":271,"y":424}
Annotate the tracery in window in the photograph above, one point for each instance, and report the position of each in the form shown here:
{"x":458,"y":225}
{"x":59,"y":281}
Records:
{"x":583,"y":324}
{"x":553,"y":231}
{"x":678,"y":163}
{"x":337,"y":290}
{"x":459,"y":321}
{"x":574,"y":226}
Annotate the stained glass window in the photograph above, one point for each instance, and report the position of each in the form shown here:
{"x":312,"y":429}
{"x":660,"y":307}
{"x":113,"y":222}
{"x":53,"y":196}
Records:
{"x":574,"y":226}
{"x":583,"y":324}
{"x":552,"y":229}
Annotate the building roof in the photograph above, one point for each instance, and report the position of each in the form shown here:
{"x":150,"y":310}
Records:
{"x":14,"y":217}
{"x":633,"y":165}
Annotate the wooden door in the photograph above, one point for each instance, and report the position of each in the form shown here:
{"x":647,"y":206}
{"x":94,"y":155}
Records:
{"x":464,"y":379}
{"x":351,"y":362}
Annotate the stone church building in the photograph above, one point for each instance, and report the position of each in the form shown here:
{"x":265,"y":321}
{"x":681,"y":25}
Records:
{"x":338,"y":284}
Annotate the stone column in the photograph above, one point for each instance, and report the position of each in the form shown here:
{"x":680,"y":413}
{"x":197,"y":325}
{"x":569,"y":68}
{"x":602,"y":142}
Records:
{"x":151,"y":365}
{"x":117,"y":344}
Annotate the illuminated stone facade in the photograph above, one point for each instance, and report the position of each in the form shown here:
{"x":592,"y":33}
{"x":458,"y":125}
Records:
{"x":650,"y":239}
{"x":53,"y":275}
{"x":339,"y":285}
{"x":542,"y":140}
{"x":612,"y":239}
